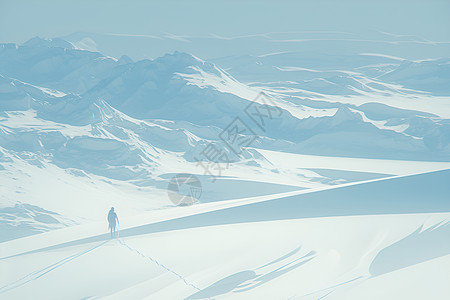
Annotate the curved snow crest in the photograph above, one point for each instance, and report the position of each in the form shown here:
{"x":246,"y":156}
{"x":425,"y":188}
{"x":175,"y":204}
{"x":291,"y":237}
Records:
{"x":158,"y":270}
{"x":300,"y":253}
{"x":85,"y":43}
{"x":329,"y":201}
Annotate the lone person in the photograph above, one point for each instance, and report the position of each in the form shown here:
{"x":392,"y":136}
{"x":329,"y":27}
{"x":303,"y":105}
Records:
{"x":113,"y":221}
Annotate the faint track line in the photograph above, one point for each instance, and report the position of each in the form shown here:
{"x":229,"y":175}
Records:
{"x":159,"y":264}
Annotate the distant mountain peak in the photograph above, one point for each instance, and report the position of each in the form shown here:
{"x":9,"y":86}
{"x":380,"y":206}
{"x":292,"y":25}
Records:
{"x":49,"y":43}
{"x":180,"y":59}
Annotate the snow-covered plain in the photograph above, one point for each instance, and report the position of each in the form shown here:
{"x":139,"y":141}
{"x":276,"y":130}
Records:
{"x":233,"y":251}
{"x":341,"y":194}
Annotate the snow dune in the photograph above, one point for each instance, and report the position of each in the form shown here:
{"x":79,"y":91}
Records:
{"x":335,"y":243}
{"x":380,"y":166}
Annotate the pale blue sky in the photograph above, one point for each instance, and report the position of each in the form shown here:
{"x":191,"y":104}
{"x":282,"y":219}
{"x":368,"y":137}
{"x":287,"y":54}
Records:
{"x":21,"y":20}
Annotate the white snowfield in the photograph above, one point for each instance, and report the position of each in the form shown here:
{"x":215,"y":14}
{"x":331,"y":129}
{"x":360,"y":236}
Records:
{"x":340,"y":192}
{"x":377,"y":239}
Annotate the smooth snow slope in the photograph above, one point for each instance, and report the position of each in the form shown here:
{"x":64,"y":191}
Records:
{"x":316,"y":248}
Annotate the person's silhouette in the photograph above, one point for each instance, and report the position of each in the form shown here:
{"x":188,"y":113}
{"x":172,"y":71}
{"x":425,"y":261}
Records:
{"x":113,"y":221}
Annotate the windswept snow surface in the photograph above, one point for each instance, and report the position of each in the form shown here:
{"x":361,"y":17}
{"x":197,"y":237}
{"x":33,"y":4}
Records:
{"x":306,"y":251}
{"x":339,"y":191}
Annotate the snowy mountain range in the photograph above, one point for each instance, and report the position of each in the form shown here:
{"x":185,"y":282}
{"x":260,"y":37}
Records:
{"x":131,"y":123}
{"x":334,"y":168}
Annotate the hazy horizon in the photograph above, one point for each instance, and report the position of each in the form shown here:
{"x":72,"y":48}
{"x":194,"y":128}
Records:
{"x":25,"y":19}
